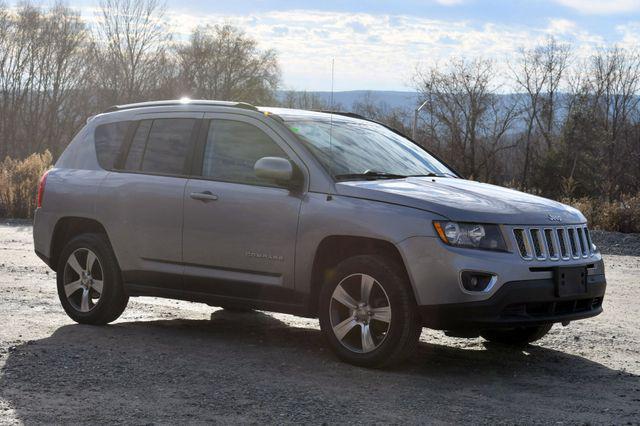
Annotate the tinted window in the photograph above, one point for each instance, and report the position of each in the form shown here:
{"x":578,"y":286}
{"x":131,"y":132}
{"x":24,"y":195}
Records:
{"x":109,"y":139}
{"x":134,"y":158}
{"x":167,"y":146}
{"x":232,"y":149}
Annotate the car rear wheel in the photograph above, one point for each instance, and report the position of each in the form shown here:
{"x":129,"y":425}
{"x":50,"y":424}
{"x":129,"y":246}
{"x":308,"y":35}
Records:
{"x":367,"y":312}
{"x":89,"y":281}
{"x":518,"y":336}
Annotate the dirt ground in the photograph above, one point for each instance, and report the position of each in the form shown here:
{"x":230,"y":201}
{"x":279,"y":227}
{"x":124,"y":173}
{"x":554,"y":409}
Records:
{"x":176,"y":362}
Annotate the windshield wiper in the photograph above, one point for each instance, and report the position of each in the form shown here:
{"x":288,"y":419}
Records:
{"x":369,"y":175}
{"x":430,"y":174}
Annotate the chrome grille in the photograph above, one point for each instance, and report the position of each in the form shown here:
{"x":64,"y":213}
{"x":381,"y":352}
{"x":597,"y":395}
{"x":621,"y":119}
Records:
{"x":583,"y":242}
{"x":564,"y":250}
{"x":537,"y":242}
{"x":573,"y":241}
{"x":519,"y":234}
{"x":553,"y":242}
{"x":588,"y":236}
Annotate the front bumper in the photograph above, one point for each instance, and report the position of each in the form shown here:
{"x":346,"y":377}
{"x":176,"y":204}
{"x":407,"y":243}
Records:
{"x":518,"y":303}
{"x":434,"y":270}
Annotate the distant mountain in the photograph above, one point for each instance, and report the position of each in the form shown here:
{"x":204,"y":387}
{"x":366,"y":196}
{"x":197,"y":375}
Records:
{"x":407,"y":101}
{"x":393,"y":99}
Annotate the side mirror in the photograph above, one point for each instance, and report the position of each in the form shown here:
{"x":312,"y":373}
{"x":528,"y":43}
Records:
{"x":277,"y":169}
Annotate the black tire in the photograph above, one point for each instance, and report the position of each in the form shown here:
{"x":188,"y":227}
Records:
{"x":113,"y":299}
{"x":519,"y":336}
{"x":403,"y":330}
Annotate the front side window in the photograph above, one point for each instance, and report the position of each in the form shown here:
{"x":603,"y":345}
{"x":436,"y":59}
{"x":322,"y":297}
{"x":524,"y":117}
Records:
{"x":108,"y":140}
{"x":160,"y":146}
{"x":232,"y":149}
{"x":352,"y":149}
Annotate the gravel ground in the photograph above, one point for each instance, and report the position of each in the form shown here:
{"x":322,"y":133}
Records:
{"x":617,"y":243}
{"x":176,"y":362}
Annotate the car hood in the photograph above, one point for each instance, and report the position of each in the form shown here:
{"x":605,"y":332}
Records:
{"x":464,"y":200}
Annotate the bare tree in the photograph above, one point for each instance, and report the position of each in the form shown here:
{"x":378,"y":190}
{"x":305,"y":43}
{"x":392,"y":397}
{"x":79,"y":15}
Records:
{"x":554,"y":59}
{"x":465,"y":116}
{"x":538,"y":72}
{"x":41,"y":67}
{"x":615,"y":83}
{"x":529,"y":78}
{"x":130,"y":54}
{"x":222,"y":62}
{"x":303,"y":100}
{"x":380,"y":111}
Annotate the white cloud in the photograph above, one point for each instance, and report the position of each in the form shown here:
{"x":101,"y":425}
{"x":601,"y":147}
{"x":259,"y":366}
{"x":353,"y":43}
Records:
{"x":377,"y":51}
{"x":630,"y":35}
{"x":450,"y":2}
{"x":602,"y":7}
{"x":569,"y":31}
{"x":561,"y":26}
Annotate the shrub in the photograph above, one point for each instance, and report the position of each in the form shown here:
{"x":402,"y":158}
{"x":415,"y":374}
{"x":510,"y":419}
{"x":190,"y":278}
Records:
{"x":19,"y":184}
{"x":619,"y":216}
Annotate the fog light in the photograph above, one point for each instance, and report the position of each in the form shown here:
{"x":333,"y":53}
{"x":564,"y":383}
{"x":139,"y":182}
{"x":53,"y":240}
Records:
{"x":476,"y":281}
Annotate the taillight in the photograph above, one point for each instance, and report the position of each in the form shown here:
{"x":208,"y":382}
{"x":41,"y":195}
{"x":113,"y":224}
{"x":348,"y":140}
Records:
{"x":41,"y":184}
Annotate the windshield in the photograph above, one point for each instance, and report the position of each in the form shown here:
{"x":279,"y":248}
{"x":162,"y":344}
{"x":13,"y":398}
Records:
{"x":358,"y":149}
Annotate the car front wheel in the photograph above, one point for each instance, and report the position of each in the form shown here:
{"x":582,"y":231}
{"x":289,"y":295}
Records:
{"x":367,"y":312}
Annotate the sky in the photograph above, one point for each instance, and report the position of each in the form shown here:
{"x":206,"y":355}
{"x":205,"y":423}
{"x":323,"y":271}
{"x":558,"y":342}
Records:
{"x":378,"y":45}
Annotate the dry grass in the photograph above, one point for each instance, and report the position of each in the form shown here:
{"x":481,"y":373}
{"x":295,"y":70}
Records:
{"x":620,"y":216}
{"x":19,"y":184}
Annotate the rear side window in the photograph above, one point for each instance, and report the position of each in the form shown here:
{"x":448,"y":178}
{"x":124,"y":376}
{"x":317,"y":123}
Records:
{"x":232,"y":149}
{"x":134,"y":159}
{"x":160,"y":146}
{"x":109,"y":139}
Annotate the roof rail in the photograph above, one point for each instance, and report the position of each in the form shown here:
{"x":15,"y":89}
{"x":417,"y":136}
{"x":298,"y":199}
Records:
{"x":242,"y":105}
{"x":344,"y":113}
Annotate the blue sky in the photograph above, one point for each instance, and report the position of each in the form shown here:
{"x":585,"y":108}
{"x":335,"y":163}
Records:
{"x":378,"y":44}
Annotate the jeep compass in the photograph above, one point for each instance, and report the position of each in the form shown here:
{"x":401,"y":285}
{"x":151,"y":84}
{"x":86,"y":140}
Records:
{"x":318,"y":214}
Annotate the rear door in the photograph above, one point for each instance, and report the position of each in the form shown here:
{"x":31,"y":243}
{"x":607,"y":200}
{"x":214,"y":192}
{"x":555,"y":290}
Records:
{"x":143,"y":199}
{"x":240,"y":230}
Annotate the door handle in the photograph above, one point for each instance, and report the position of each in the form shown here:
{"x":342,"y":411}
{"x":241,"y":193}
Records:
{"x":204,"y":196}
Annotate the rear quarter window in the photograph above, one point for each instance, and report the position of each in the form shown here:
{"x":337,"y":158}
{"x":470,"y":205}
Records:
{"x":109,"y":139}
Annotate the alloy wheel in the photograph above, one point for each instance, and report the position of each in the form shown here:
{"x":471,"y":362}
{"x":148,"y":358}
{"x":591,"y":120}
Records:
{"x":83,"y":280}
{"x":360,"y":313}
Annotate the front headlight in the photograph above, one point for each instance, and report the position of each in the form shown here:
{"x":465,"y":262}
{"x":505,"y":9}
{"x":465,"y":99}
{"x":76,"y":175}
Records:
{"x":471,"y":235}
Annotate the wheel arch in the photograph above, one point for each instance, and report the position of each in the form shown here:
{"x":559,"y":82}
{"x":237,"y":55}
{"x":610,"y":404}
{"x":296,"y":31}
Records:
{"x":69,"y":227}
{"x":333,"y":249}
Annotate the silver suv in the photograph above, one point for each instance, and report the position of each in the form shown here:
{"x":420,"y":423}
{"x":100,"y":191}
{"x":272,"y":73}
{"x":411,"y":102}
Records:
{"x":316,"y":214}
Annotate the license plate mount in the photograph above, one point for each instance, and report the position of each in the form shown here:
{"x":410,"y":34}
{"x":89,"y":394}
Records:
{"x":570,"y":280}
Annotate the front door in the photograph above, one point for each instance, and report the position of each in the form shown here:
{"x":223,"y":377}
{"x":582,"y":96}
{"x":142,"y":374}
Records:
{"x":239,"y":230}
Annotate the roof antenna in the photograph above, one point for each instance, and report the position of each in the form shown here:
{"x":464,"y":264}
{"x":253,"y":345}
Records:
{"x":333,"y":60}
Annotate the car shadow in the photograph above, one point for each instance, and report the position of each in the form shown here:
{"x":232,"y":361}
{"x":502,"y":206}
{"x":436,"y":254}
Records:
{"x":252,"y":367}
